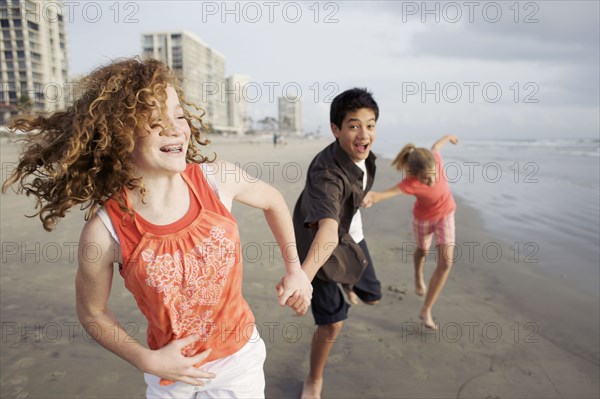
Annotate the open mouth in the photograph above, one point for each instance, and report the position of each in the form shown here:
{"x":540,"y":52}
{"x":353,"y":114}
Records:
{"x":174,"y":149}
{"x":361,"y":147}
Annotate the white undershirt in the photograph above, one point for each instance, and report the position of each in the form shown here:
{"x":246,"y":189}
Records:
{"x":356,"y":226}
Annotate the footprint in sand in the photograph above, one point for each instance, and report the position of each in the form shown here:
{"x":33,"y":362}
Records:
{"x":419,"y":372}
{"x":22,"y":395}
{"x":17,"y":379}
{"x":337,"y":358}
{"x":56,"y":375}
{"x":109,"y":378}
{"x":23,"y":363}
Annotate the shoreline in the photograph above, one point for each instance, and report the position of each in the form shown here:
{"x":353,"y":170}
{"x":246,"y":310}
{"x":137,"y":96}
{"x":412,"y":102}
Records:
{"x":524,"y":286}
{"x":506,"y":331}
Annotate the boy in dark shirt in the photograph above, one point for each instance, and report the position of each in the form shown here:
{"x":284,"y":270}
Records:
{"x":328,"y":225}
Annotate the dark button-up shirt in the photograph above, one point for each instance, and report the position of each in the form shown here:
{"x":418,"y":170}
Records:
{"x":334,"y":189}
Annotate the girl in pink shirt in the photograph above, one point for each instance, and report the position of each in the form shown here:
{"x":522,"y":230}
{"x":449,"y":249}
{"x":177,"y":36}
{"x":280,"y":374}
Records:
{"x":433,"y":213}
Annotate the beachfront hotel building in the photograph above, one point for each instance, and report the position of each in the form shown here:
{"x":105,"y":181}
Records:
{"x":33,"y":62}
{"x":237,"y":104}
{"x":290,"y":116}
{"x":202,"y":73}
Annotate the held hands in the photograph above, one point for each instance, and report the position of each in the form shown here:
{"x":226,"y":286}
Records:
{"x":169,"y":362}
{"x":295,"y":291}
{"x":370,"y":199}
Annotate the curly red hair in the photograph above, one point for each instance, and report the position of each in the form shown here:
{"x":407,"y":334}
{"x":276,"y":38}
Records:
{"x":82,"y":155}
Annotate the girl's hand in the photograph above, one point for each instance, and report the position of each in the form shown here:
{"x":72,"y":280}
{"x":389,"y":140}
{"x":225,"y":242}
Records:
{"x":453,"y":139}
{"x":169,"y":363}
{"x":369,"y":200}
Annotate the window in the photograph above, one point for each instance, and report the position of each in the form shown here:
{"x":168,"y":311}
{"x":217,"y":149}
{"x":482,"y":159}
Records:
{"x":33,"y":26}
{"x":4,"y":23}
{"x":148,"y":41}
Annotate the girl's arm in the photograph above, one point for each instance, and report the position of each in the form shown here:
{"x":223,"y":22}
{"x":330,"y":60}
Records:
{"x":93,"y":284}
{"x":374,"y":197}
{"x":295,"y":288}
{"x":440,"y":143}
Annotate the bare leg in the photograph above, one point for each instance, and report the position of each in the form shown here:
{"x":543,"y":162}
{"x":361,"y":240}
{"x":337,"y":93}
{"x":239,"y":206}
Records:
{"x":419,"y":259}
{"x":436,"y":283}
{"x":322,"y":342}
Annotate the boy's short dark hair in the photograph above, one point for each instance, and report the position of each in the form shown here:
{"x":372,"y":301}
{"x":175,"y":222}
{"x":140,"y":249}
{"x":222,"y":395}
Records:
{"x":349,"y":101}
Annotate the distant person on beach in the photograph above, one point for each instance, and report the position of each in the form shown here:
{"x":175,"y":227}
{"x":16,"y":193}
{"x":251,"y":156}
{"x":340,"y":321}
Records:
{"x":129,"y":152}
{"x":433,"y":214}
{"x":329,"y":229}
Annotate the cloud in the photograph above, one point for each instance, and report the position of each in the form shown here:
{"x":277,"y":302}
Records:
{"x":558,"y":31}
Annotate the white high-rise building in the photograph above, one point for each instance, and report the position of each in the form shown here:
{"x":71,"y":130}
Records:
{"x":33,"y":63}
{"x":290,"y":116}
{"x":237,"y":106}
{"x":201,"y":67}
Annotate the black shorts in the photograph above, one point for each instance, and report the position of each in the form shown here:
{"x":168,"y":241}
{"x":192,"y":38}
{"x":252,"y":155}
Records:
{"x":328,"y":304}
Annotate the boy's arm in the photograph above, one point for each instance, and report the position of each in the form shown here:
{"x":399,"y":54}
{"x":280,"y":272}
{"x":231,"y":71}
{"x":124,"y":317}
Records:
{"x":322,"y":246}
{"x":440,"y":143}
{"x":255,"y":193}
{"x":374,"y":197}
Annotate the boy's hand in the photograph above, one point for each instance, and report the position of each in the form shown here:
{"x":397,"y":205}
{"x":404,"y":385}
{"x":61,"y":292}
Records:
{"x":298,"y":303}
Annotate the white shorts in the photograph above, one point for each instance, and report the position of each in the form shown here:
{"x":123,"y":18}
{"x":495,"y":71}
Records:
{"x":240,"y":375}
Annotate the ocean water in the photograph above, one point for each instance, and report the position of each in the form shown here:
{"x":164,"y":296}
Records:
{"x":541,"y":196}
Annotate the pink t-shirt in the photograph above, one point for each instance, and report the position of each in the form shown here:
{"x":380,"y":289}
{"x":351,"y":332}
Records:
{"x":433,"y":202}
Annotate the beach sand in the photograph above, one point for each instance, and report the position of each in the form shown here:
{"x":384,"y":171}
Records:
{"x":506,"y":330}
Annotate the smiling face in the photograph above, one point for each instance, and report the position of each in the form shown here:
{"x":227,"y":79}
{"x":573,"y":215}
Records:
{"x":357,"y":133}
{"x":154,"y":153}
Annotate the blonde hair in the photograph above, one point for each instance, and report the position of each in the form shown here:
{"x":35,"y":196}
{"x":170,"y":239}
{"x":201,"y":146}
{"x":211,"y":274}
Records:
{"x":417,"y":162}
{"x":82,"y":155}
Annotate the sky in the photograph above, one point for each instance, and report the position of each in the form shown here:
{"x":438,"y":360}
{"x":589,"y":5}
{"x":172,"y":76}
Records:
{"x":478,"y":69}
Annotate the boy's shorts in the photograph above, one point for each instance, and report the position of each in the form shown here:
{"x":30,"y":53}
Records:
{"x":239,"y":375}
{"x":443,"y":229}
{"x":328,"y":304}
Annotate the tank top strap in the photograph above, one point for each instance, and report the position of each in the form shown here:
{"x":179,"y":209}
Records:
{"x":192,"y":186}
{"x":138,"y":226}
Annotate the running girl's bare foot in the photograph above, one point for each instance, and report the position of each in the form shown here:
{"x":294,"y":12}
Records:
{"x":420,"y":287}
{"x":312,"y":389}
{"x":428,"y":320}
{"x":350,"y":295}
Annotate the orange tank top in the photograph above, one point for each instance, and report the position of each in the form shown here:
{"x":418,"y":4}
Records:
{"x":186,"y":277}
